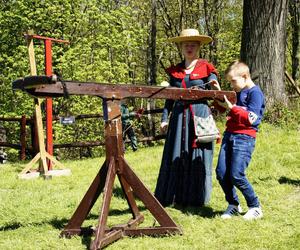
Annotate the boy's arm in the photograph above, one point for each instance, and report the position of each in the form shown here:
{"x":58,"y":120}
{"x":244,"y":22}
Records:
{"x":250,"y":115}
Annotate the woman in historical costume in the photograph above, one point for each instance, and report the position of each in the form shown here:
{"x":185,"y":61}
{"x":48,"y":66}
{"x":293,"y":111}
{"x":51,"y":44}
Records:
{"x":185,"y":176}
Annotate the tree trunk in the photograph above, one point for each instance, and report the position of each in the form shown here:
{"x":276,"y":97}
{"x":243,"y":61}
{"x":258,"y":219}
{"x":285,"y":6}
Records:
{"x":152,"y":58}
{"x":152,"y":63}
{"x":294,"y":9}
{"x":263,"y":45}
{"x":212,"y":10}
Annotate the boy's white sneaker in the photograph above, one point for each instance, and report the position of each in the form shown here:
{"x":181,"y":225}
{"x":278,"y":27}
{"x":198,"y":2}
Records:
{"x":231,"y":211}
{"x":253,"y":213}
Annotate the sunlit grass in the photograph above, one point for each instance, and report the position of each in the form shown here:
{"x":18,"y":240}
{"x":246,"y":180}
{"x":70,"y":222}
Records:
{"x":33,"y":212}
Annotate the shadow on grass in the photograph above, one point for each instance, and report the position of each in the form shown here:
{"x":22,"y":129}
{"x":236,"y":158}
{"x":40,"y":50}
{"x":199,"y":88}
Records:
{"x":86,"y":240}
{"x":118,"y":193}
{"x":12,"y":226}
{"x":205,"y":212}
{"x":286,"y":180}
{"x":125,"y":211}
{"x":61,"y":223}
{"x":58,"y":223}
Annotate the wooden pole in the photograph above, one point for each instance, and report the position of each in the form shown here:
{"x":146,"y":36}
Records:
{"x":23,"y":138}
{"x":34,"y":132}
{"x":294,"y":84}
{"x":49,"y":102}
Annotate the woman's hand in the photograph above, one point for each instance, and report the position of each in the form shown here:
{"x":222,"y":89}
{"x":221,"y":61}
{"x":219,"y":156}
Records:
{"x":215,"y":84}
{"x":163,"y":127}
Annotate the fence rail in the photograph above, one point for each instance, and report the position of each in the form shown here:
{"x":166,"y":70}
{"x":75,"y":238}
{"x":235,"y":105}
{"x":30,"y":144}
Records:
{"x":24,"y":121}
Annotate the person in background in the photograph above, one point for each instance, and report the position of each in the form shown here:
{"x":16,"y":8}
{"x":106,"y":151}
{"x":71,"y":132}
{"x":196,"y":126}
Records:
{"x":185,"y":175}
{"x":127,"y":128}
{"x":3,"y":155}
{"x":239,"y":141}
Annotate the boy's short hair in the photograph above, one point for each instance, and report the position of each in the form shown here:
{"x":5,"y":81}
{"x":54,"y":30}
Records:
{"x":237,"y":68}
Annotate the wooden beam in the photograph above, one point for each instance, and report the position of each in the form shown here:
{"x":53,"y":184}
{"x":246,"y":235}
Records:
{"x":294,"y":83}
{"x":44,"y":87}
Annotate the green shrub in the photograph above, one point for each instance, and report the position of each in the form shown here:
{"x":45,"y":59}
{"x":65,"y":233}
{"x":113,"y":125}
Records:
{"x":283,"y":116}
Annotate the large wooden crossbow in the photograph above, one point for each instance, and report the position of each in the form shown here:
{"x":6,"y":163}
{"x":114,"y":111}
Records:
{"x":45,"y":86}
{"x":115,"y":164}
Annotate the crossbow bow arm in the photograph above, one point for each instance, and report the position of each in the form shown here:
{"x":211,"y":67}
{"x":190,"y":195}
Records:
{"x":33,"y":81}
{"x":49,"y":86}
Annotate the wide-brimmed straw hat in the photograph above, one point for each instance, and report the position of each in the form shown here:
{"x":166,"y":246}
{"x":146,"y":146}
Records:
{"x":190,"y":35}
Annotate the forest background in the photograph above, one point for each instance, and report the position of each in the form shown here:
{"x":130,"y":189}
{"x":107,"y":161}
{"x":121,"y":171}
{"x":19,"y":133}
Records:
{"x":125,"y":41}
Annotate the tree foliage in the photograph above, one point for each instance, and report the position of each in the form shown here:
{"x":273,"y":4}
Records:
{"x":109,"y":42}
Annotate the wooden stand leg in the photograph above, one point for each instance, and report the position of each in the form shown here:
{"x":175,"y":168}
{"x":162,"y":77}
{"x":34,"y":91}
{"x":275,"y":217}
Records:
{"x":152,"y":204}
{"x":100,"y":231}
{"x":86,"y":204}
{"x":129,"y":197}
{"x":131,"y":185}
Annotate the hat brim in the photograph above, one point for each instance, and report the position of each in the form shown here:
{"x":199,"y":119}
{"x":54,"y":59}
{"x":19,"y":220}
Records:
{"x":202,"y":39}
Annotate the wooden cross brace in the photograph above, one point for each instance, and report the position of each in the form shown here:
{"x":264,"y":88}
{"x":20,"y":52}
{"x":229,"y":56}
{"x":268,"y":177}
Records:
{"x":115,"y":164}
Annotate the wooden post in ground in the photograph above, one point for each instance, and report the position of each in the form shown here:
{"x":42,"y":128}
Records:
{"x":23,"y":138}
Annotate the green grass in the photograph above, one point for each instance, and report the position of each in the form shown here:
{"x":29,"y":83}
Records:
{"x":33,"y":212}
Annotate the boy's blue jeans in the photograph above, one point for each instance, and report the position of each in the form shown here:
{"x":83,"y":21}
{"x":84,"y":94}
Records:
{"x":235,"y":155}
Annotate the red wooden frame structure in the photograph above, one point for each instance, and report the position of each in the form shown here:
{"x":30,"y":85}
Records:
{"x":49,"y":103}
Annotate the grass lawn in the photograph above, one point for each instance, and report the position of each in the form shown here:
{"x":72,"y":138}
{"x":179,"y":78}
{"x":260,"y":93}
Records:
{"x":33,"y":212}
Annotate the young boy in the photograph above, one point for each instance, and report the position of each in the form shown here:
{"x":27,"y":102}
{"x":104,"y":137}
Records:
{"x":239,"y":141}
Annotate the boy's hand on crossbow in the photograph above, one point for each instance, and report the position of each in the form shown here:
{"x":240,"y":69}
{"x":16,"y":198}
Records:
{"x":226,"y":103}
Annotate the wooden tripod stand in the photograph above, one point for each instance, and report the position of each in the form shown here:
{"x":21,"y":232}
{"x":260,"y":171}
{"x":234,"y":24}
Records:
{"x":115,"y":165}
